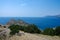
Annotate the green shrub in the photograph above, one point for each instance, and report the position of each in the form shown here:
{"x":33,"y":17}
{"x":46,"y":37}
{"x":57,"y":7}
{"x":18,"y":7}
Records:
{"x":57,"y":30}
{"x":32,"y":29}
{"x":49,"y":31}
{"x":29,"y":29}
{"x":21,"y":28}
{"x":14,"y":29}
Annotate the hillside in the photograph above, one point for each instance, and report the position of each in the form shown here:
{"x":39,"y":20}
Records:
{"x":50,"y":21}
{"x":28,"y":36}
{"x":18,"y":22}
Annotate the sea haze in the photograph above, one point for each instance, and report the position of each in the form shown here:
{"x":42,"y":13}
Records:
{"x":40,"y":22}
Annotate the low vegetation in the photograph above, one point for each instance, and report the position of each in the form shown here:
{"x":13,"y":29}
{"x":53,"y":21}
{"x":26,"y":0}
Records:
{"x":14,"y":29}
{"x":48,"y":31}
{"x":57,"y":31}
{"x":34,"y":29}
{"x":29,"y":29}
{"x":52,"y":32}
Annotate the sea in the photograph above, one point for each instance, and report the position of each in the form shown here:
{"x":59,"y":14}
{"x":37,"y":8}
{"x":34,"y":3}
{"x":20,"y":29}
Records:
{"x":40,"y":22}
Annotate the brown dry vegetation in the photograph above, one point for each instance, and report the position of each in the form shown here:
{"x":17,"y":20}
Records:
{"x":29,"y":36}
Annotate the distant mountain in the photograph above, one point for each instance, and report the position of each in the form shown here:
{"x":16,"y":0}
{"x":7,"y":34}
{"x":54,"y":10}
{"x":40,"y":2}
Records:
{"x":54,"y":16}
{"x":57,"y":15}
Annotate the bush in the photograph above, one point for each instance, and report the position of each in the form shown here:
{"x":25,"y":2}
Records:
{"x":14,"y":29}
{"x":49,"y":31}
{"x":29,"y":29}
{"x":21,"y":28}
{"x":32,"y":29}
{"x":57,"y":30}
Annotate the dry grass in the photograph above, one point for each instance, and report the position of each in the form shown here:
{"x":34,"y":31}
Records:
{"x":28,"y":36}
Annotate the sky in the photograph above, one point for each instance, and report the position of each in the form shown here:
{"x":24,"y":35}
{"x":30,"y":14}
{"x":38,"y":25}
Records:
{"x":29,"y":8}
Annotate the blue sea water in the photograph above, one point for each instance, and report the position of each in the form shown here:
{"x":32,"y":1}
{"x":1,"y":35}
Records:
{"x":40,"y":22}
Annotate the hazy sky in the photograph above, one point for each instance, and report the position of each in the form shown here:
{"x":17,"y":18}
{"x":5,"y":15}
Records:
{"x":29,"y":8}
